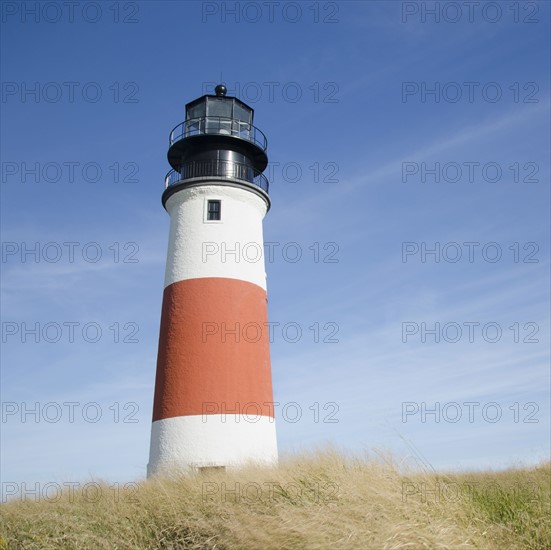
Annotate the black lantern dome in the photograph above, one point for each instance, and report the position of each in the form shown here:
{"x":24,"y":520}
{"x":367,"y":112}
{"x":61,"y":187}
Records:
{"x":217,"y":144}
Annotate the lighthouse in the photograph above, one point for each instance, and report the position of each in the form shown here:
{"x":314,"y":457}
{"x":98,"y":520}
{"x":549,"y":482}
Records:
{"x":213,"y":403}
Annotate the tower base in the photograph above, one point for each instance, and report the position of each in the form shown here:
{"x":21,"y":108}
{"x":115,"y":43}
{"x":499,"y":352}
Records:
{"x":186,"y":444}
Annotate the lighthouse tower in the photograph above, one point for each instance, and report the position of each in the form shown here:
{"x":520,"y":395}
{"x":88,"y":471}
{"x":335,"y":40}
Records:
{"x":213,"y":404}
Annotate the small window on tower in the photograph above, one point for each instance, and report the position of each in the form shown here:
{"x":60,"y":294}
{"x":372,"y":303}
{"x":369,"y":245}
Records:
{"x":213,"y":210}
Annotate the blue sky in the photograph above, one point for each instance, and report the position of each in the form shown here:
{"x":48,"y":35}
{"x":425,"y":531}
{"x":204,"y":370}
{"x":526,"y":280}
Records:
{"x":349,"y":111}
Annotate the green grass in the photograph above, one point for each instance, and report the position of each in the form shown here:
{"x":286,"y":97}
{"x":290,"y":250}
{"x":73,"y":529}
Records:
{"x":516,"y":504}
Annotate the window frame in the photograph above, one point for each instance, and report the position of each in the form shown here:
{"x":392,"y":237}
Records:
{"x":207,"y":211}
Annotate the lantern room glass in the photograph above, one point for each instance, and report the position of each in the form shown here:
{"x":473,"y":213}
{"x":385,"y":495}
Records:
{"x":219,"y":115}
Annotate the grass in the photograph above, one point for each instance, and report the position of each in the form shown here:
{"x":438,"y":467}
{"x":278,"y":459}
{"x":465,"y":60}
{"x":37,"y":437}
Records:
{"x":516,"y":504}
{"x":320,"y":500}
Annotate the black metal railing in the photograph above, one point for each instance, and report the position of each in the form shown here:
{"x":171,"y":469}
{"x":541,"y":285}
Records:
{"x":219,"y":169}
{"x":219,"y":125}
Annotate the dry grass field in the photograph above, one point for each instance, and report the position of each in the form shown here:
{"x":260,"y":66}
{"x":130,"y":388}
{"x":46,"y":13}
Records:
{"x":321,"y":500}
